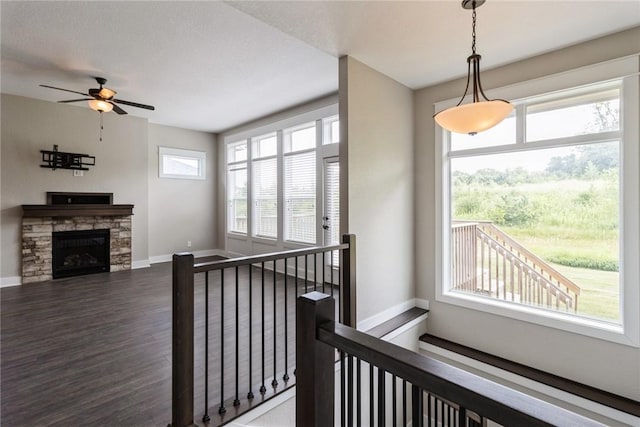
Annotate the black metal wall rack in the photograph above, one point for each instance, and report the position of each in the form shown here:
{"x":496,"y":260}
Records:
{"x":60,"y":160}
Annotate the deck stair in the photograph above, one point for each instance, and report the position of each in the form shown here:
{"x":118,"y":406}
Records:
{"x":488,"y":261}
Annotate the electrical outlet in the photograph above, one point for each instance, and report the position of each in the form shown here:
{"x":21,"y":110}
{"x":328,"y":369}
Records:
{"x":188,"y":243}
{"x":78,"y":173}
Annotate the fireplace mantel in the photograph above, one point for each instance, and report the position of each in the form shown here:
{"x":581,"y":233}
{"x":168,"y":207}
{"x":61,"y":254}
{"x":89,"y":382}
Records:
{"x":38,"y":211}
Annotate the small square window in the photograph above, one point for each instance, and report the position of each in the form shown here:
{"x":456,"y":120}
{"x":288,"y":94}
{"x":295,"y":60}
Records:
{"x":181,"y":164}
{"x":237,"y":152}
{"x":300,"y":138}
{"x":331,"y":130}
{"x":264,"y":146}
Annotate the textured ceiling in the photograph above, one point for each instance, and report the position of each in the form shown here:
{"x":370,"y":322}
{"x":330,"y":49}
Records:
{"x":420,"y":43}
{"x":213,"y":65}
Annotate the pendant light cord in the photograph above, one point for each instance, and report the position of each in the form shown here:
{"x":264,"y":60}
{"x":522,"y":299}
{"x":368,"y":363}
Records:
{"x":101,"y":127}
{"x":473,"y":31}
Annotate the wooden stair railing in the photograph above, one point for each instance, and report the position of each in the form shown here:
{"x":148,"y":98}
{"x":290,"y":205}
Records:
{"x":534,"y":288}
{"x":382,"y":384}
{"x":480,"y":249}
{"x":532,"y":259}
{"x":244,"y":331}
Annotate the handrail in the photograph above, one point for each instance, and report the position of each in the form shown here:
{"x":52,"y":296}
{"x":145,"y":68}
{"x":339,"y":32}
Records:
{"x":256,"y":259}
{"x":529,"y":269}
{"x":244,"y":285}
{"x":561,"y":278}
{"x":486,"y":398}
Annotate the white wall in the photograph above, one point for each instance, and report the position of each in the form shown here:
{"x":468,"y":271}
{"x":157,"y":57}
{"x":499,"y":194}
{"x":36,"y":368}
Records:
{"x":30,"y":125}
{"x":167,"y":213}
{"x":598,"y":363}
{"x":376,"y":184}
{"x":181,"y":210}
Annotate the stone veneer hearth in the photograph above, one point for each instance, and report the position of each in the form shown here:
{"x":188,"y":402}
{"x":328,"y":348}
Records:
{"x":37,"y":241}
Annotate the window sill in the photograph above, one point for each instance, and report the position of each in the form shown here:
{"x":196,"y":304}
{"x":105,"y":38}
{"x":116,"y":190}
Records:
{"x":237,"y":235}
{"x":189,"y":177}
{"x":265,"y":240}
{"x":565,"y":322}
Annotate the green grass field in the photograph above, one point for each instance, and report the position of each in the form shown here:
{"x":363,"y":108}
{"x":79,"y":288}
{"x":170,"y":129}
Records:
{"x":600,"y":292}
{"x":570,"y":223}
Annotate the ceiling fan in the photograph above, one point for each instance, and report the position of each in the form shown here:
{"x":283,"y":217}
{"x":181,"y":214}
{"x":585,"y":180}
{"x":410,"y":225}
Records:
{"x":102,"y":99}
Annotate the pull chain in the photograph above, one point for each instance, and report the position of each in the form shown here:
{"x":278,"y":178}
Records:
{"x":101,"y":127}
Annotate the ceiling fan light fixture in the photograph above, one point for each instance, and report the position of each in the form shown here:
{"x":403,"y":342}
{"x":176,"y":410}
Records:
{"x":100,"y":105}
{"x":106,"y":93}
{"x":482,"y":113}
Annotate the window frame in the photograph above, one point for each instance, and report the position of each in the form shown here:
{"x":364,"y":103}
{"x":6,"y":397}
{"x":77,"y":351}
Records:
{"x":235,"y":165}
{"x":200,"y":156}
{"x":625,"y":69}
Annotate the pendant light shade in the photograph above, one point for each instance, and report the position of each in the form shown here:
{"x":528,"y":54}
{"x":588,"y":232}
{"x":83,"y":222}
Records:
{"x":474,"y":117}
{"x":482,"y":113}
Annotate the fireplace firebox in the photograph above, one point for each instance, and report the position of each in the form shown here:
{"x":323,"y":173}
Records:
{"x":76,"y":253}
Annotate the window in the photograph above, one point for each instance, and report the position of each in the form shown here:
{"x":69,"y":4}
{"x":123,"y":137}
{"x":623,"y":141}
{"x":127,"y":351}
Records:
{"x":275,"y":190}
{"x":264,"y":186}
{"x":300,"y":183}
{"x":331,"y":130}
{"x":535,"y":222}
{"x":181,"y":164}
{"x":237,"y":187}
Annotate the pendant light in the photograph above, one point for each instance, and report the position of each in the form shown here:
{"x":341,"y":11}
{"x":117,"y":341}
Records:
{"x":482,"y":113}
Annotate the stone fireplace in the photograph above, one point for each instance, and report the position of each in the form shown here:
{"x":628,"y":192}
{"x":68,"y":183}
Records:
{"x":74,"y":212}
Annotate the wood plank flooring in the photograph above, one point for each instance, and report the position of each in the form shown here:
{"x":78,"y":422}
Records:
{"x":96,"y":350}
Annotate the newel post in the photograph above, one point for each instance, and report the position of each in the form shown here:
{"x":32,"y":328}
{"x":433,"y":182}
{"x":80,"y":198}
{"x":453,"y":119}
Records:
{"x":348,"y":282}
{"x":182,"y":344}
{"x":315,"y":375}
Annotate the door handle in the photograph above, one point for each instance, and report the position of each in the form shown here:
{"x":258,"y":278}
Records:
{"x":325,"y":220}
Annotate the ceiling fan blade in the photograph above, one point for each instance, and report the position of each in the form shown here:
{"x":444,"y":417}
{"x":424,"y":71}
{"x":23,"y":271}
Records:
{"x":75,"y":100}
{"x":66,"y":90}
{"x":134,"y":104}
{"x":117,"y":109}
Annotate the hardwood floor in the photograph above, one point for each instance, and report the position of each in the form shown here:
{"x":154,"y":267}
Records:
{"x":96,"y":350}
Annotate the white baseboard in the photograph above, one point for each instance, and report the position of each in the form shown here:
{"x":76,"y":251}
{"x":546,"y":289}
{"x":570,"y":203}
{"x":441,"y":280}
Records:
{"x":291,"y":270}
{"x":210,"y":252}
{"x":197,"y":254}
{"x":247,"y":418}
{"x":143,"y":263}
{"x":571,"y":399}
{"x":422,"y":303}
{"x":159,"y":258}
{"x":404,"y":328}
{"x":230,"y":254}
{"x":383,"y":316}
{"x":5,"y":282}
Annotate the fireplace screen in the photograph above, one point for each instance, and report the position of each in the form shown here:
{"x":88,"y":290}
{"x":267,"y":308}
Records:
{"x":80,"y":252}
